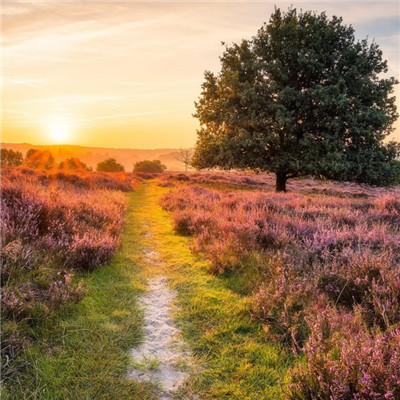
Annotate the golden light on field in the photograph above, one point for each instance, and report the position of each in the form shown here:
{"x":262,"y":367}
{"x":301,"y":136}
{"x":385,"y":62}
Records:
{"x":59,"y":131}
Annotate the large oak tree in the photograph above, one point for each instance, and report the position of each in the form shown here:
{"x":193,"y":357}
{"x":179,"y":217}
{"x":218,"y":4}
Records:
{"x":302,"y":97}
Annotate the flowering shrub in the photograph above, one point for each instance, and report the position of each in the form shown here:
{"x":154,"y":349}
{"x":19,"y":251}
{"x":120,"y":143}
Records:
{"x":51,"y":225}
{"x":329,"y":280}
{"x":347,"y":361}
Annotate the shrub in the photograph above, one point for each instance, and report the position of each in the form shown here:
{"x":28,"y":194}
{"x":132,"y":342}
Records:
{"x":109,"y":165}
{"x":73,"y":164}
{"x":346,"y":360}
{"x":149,"y":166}
{"x":38,"y":159}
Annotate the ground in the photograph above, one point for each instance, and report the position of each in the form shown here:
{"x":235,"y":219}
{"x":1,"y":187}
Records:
{"x":86,"y":352}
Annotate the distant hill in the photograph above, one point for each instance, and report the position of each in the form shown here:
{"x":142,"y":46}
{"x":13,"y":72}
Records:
{"x":93,"y":155}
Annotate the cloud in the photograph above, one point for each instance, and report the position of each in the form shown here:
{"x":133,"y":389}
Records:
{"x":30,"y":82}
{"x":60,"y":101}
{"x":98,"y":61}
{"x":125,"y":116}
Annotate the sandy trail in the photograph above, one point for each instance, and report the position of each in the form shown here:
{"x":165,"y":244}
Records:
{"x":155,"y":359}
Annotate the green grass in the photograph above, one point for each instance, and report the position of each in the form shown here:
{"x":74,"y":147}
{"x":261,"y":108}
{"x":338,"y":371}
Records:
{"x":81,"y":352}
{"x":147,"y":364}
{"x":236,"y":361}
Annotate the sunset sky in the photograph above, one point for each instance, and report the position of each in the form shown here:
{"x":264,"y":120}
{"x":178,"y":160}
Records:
{"x":126,"y":74}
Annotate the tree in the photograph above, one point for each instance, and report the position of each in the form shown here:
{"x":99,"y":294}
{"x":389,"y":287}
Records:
{"x":110,"y":165}
{"x":39,"y":159}
{"x":73,"y":164}
{"x":302,"y":97}
{"x":149,"y":166}
{"x":11,"y":158}
{"x":185,"y":157}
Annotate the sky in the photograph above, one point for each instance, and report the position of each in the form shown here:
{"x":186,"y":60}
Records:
{"x":126,"y":74}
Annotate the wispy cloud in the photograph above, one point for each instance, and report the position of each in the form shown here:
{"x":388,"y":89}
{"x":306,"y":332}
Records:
{"x":111,"y":62}
{"x":60,"y":101}
{"x":126,"y":116}
{"x":30,"y":82}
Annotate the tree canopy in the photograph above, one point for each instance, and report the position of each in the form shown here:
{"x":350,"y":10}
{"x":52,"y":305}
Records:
{"x":302,"y":97}
{"x":73,"y":164}
{"x":110,"y":165}
{"x":38,"y":159}
{"x":11,"y":158}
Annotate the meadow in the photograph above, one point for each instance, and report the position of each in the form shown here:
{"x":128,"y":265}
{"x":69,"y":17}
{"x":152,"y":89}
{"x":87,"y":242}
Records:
{"x":281,"y":295}
{"x":319,"y":267}
{"x":53,"y":225}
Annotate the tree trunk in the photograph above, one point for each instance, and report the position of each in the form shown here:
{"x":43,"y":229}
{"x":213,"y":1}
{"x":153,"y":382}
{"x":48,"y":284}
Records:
{"x":281,"y":179}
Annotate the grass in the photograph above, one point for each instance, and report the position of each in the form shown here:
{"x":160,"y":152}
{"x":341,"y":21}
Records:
{"x":235,"y":360}
{"x":82,"y":352}
{"x":147,"y":364}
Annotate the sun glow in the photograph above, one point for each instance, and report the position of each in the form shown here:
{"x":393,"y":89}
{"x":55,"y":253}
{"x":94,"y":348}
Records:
{"x":59,"y":131}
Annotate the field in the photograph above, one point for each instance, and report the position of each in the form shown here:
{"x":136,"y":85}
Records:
{"x":321,"y":272}
{"x":53,"y":225}
{"x":291,"y":295}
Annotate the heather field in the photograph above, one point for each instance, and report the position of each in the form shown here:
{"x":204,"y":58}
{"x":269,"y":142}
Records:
{"x":200,"y":200}
{"x":319,"y":267}
{"x":53,"y":225}
{"x":278,"y":295}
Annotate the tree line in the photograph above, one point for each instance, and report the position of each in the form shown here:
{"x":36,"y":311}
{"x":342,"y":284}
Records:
{"x":38,"y":159}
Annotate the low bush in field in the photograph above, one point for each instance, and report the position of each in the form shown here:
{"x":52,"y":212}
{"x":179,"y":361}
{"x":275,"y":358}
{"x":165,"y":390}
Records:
{"x":328,"y":277}
{"x":53,"y":224}
{"x":149,"y":166}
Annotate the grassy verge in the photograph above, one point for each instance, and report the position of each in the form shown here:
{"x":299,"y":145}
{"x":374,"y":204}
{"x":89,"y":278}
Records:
{"x":81,"y":353}
{"x":236,"y":361}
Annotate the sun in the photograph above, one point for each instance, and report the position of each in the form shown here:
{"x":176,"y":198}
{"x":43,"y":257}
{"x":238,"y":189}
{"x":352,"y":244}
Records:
{"x":59,"y":131}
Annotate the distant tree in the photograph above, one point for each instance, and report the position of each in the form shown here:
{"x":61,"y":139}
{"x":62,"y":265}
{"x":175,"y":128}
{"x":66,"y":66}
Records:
{"x":149,"y":166}
{"x":11,"y":158}
{"x":73,"y":164}
{"x":185,"y":157}
{"x":39,"y":159}
{"x":31,"y":152}
{"x":110,"y":165}
{"x":302,"y":97}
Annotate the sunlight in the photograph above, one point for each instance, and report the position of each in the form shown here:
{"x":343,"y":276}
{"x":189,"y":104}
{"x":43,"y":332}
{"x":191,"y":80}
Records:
{"x":59,"y":131}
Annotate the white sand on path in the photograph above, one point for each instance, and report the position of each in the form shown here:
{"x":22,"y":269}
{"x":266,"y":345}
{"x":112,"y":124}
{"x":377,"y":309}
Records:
{"x":156,"y":357}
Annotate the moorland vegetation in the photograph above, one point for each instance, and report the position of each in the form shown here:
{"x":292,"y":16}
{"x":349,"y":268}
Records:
{"x":320,"y":268}
{"x":53,"y":224}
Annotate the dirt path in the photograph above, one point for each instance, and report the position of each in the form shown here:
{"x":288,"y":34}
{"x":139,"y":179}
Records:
{"x":159,"y":359}
{"x":156,"y":359}
{"x":229,"y":357}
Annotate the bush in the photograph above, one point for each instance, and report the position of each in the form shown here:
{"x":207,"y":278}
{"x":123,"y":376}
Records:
{"x":73,"y":164}
{"x":346,"y":361}
{"x":149,"y":166}
{"x":109,"y":165}
{"x":38,"y":159}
